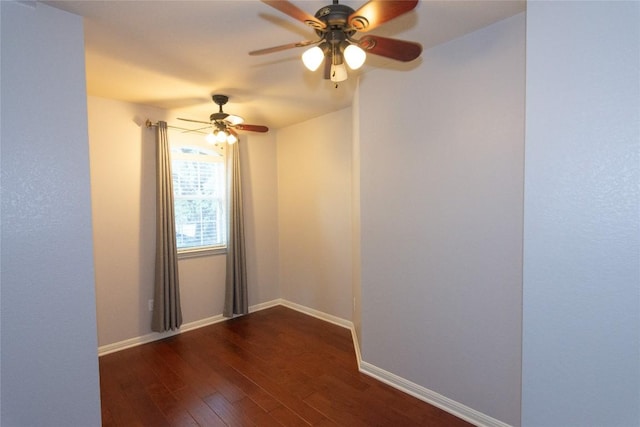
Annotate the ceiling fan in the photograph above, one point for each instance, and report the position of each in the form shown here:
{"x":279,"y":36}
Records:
{"x":224,"y":126}
{"x":336,"y":26}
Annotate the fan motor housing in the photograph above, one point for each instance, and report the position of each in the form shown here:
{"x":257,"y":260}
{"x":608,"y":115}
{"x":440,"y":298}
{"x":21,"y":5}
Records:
{"x":335,"y":15}
{"x":218,"y":116}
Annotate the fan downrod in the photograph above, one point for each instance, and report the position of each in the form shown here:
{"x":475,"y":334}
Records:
{"x":220,"y":100}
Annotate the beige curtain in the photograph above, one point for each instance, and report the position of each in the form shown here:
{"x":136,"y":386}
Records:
{"x":236,"y":301}
{"x":167,"y":314}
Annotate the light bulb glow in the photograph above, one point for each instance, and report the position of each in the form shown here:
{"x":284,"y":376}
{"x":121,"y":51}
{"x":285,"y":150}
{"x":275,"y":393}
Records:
{"x":354,"y":56}
{"x":338,"y":73}
{"x":312,"y":58}
{"x":231,"y":139}
{"x":210,"y":138}
{"x":221,"y":136}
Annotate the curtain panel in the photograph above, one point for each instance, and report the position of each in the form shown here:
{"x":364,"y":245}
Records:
{"x":236,"y":299}
{"x":167,"y":313}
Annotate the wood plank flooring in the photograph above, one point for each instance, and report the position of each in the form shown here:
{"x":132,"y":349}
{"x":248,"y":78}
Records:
{"x":275,"y":367}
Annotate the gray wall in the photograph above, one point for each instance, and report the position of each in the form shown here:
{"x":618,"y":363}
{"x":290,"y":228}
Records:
{"x":441,"y":227}
{"x":581,"y":364}
{"x":49,"y":348}
{"x":356,"y":260}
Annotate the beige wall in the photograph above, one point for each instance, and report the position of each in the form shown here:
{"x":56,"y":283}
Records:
{"x":260,"y":189}
{"x":123,"y":197}
{"x":122,"y":156}
{"x":314,"y":213}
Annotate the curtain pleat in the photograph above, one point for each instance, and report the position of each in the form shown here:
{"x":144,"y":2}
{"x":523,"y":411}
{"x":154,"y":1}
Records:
{"x":236,"y":300}
{"x":167,"y":314}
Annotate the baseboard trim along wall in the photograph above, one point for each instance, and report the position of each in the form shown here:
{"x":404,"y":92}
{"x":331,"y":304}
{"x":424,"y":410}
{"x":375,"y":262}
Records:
{"x":155,"y":336}
{"x":430,"y":396}
{"x":318,"y":314}
{"x":455,"y":408}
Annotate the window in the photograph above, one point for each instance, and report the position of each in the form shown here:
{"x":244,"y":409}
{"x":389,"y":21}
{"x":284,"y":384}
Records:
{"x":199,"y":197}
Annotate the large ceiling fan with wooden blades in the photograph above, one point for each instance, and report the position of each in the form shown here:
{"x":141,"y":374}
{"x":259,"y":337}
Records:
{"x":223,"y":126}
{"x":336,"y":26}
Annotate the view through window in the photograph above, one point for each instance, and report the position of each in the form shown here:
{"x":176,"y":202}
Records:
{"x":199,"y":197}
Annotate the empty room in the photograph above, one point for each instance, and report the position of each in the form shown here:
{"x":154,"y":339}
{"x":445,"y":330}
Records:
{"x":433,"y":222}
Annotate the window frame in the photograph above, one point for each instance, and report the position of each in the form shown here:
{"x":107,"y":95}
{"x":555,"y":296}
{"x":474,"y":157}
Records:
{"x":217,"y":153}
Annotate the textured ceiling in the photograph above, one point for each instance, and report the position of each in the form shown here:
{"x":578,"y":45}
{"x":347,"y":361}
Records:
{"x":176,"y":54}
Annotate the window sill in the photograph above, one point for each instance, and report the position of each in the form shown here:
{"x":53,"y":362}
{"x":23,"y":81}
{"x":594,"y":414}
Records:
{"x":196,"y":253}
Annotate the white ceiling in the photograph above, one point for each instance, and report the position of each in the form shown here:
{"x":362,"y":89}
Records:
{"x":176,"y":54}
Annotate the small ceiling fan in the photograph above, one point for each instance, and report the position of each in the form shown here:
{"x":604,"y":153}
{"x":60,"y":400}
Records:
{"x":223,"y":125}
{"x":336,"y":26}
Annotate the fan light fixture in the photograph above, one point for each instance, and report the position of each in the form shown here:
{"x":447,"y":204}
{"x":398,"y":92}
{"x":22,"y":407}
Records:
{"x":336,"y":26}
{"x":352,"y":54}
{"x":223,"y":125}
{"x":221,"y":136}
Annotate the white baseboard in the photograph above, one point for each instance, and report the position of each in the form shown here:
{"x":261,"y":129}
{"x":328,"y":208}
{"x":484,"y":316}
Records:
{"x":318,"y":314}
{"x":451,"y":406}
{"x":356,"y":347}
{"x":265,"y":305}
{"x":155,"y":336}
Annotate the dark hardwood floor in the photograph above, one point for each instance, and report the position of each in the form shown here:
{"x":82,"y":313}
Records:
{"x":275,"y":367}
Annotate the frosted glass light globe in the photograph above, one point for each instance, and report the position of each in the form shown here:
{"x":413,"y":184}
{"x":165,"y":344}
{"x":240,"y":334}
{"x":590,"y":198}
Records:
{"x":312,"y":58}
{"x":354,"y":56}
{"x":221,"y":136}
{"x":210,"y":138}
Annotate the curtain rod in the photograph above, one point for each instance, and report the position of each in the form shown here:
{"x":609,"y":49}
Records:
{"x":150,"y":124}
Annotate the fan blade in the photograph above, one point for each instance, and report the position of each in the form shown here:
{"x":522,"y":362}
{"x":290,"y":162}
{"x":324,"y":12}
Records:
{"x":199,"y":130}
{"x":194,"y":121}
{"x":283,"y":47}
{"x":376,"y":12}
{"x":296,"y":13}
{"x":399,"y":50}
{"x":252,"y":128}
{"x":234,"y":120}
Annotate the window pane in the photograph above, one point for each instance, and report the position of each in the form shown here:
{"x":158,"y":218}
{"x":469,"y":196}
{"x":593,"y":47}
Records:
{"x":199,"y":198}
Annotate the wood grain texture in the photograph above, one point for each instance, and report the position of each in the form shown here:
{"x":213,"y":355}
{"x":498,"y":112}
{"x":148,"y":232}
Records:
{"x":275,"y":367}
